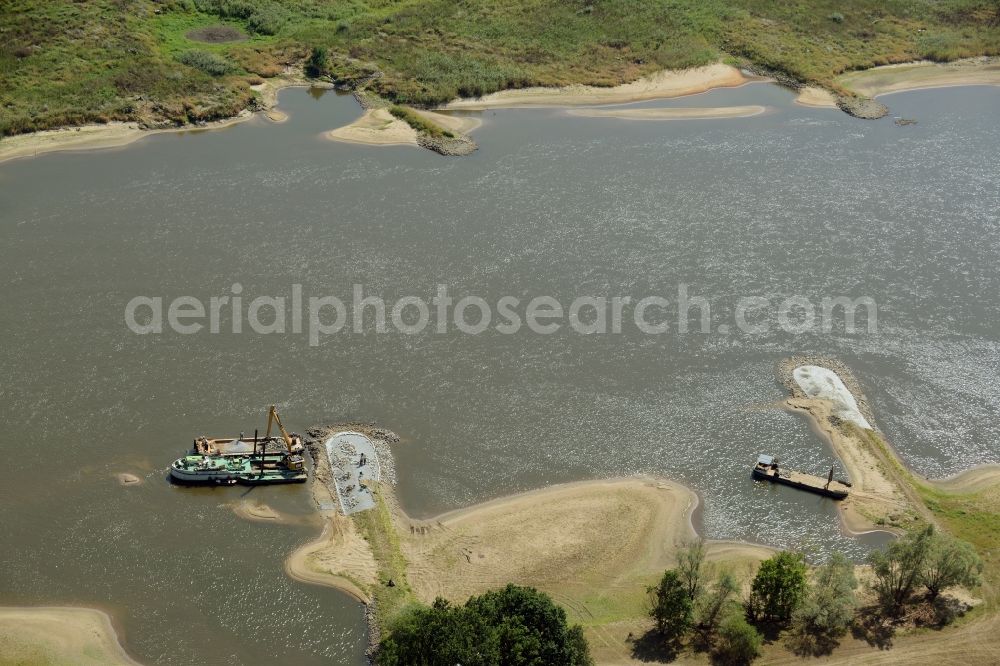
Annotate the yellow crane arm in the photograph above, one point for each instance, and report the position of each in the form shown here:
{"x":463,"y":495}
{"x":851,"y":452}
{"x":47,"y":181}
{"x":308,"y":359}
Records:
{"x":294,"y":445}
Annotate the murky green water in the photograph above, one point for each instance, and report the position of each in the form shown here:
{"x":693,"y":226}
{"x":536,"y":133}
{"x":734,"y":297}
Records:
{"x":795,"y":201}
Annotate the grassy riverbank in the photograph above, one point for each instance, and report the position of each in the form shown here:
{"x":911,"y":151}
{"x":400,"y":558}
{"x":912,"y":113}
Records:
{"x":76,"y":63}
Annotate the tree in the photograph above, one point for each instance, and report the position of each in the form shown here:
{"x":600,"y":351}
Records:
{"x":827,"y":610}
{"x":948,"y":562}
{"x":689,"y":563}
{"x":671,"y":606}
{"x":316,"y":65}
{"x":711,"y":606}
{"x":512,"y":626}
{"x":739,"y":643}
{"x":778,"y":587}
{"x":897,"y":570}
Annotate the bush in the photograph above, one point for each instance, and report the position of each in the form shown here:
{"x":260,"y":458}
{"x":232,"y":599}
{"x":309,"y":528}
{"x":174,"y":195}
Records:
{"x":778,"y":587}
{"x":262,"y":16}
{"x":739,"y":643}
{"x":898,"y":569}
{"x":418,"y":122}
{"x":316,"y":65}
{"x":508,"y":627}
{"x":689,"y":563}
{"x":206,"y":62}
{"x":949,"y":562}
{"x":827,"y":611}
{"x":711,"y":606}
{"x":671,"y":607}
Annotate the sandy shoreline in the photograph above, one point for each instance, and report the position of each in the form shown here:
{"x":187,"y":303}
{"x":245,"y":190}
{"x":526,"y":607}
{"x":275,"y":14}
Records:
{"x":666,"y":84}
{"x":59,"y":635}
{"x":671,"y":114}
{"x":594,"y":546}
{"x":920,"y":75}
{"x":882,"y":496}
{"x":378,"y":127}
{"x":119,"y":134}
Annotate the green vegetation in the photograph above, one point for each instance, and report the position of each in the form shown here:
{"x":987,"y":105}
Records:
{"x":418,"y":122}
{"x":514,"y":626}
{"x":778,"y":587}
{"x":671,"y":608}
{"x":974,"y":518}
{"x":739,"y":642}
{"x":206,"y":62}
{"x":78,"y":62}
{"x":827,"y":611}
{"x":317,"y":63}
{"x":922,"y":558}
{"x":689,"y":564}
{"x":392,"y":593}
{"x":714,"y":605}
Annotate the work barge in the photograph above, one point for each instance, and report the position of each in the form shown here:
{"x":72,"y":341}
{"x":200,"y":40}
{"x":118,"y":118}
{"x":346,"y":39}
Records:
{"x":767,"y":469}
{"x":231,"y":460}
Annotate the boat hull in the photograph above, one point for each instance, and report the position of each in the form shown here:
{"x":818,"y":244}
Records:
{"x":791,"y":483}
{"x":224,"y":470}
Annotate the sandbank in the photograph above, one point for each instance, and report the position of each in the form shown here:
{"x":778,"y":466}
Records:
{"x":816,"y":97}
{"x":923,"y":74}
{"x":376,"y":127}
{"x":339,"y":558}
{"x":669,"y":83}
{"x":594,"y":546}
{"x":671,"y":114}
{"x":59,"y":635}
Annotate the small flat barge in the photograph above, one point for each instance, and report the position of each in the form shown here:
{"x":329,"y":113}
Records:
{"x":767,"y":469}
{"x":226,"y":461}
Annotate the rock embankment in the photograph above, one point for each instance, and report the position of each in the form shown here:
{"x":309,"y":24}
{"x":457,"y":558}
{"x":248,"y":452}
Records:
{"x":861,"y":107}
{"x":450,"y":146}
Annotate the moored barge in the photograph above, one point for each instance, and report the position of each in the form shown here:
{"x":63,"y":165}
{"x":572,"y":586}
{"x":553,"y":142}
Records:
{"x":768,"y":469}
{"x":226,"y":461}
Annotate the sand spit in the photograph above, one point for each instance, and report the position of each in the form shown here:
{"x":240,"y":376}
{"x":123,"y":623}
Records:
{"x":59,"y":635}
{"x":815,"y":97}
{"x":671,"y":114}
{"x":923,"y":74}
{"x":376,"y":127}
{"x":571,"y":540}
{"x":339,"y":558}
{"x":879,"y":499}
{"x":670,"y":83}
{"x":459,"y":124}
{"x":984,"y":71}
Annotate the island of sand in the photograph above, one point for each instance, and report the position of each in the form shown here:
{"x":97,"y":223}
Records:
{"x":595,"y":546}
{"x":59,"y":635}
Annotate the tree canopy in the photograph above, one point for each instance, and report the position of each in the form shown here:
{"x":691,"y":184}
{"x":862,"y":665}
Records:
{"x":513,"y":626}
{"x":671,"y":606}
{"x":778,"y":587}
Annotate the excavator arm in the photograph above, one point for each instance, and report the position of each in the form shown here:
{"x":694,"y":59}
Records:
{"x":291,"y":444}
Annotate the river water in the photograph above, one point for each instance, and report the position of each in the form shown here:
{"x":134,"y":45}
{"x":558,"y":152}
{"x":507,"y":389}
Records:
{"x":795,"y":201}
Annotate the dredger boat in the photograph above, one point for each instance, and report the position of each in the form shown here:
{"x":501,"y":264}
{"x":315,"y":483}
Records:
{"x":227,"y":461}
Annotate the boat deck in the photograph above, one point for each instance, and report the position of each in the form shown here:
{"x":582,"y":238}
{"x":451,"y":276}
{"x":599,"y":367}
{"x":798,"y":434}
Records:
{"x":767,"y":469}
